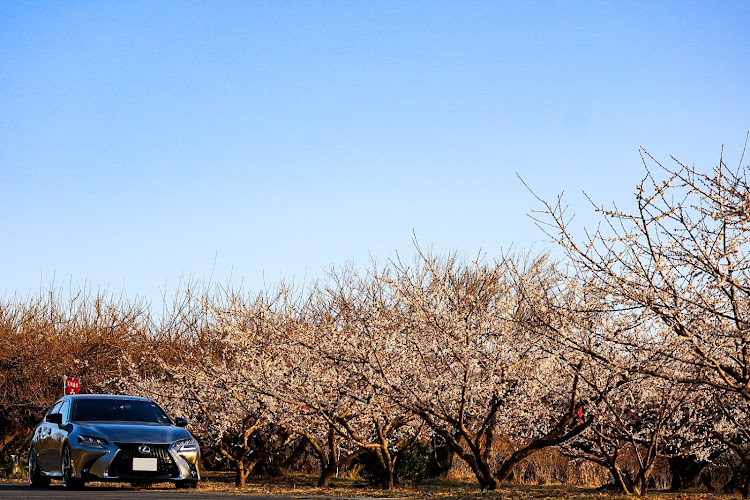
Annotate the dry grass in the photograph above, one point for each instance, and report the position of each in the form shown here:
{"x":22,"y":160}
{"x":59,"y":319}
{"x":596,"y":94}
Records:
{"x":304,"y":486}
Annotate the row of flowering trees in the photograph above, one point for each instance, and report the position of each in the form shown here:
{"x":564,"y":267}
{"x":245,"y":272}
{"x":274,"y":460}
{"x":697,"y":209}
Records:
{"x":369,"y":363}
{"x":632,"y":353}
{"x":673,"y":272}
{"x":481,"y":354}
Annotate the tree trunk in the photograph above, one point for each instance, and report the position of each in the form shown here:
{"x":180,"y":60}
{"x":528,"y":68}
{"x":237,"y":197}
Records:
{"x":386,"y":467}
{"x":638,"y":489}
{"x":481,"y":470}
{"x":686,"y":472}
{"x":441,"y":457}
{"x":240,"y":479}
{"x":554,"y":437}
{"x":621,"y":480}
{"x":387,"y":470}
{"x":388,"y":479}
{"x":472,"y":456}
{"x":326,"y":473}
{"x":490,"y":481}
{"x":640,"y":484}
{"x":293,"y":459}
{"x":241,"y":469}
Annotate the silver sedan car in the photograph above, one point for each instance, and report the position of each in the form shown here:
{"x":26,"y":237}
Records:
{"x":96,"y":437}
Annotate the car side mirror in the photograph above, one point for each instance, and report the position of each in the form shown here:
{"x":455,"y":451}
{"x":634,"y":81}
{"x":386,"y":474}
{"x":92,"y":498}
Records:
{"x":180,"y":422}
{"x":55,"y":418}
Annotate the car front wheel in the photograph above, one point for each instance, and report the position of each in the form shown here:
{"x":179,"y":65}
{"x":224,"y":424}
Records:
{"x":69,"y":481}
{"x":36,"y":479}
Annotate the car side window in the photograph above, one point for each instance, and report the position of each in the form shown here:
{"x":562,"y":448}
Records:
{"x":54,"y":409}
{"x":65,"y":410}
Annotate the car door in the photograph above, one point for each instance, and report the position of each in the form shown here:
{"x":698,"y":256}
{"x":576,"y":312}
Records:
{"x":57,"y":436}
{"x":43,"y":441}
{"x":40,"y":435}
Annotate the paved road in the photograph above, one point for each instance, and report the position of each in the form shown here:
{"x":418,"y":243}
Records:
{"x":56,"y":492}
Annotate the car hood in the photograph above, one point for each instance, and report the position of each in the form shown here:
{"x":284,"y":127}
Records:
{"x":126,"y":432}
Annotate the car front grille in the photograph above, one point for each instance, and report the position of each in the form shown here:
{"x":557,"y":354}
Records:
{"x":122,"y":466}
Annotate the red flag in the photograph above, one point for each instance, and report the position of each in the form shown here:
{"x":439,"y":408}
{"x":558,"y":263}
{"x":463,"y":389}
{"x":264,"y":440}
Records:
{"x":72,"y":386}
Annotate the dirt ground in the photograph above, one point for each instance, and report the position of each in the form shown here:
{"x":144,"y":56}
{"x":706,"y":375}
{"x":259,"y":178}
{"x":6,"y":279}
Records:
{"x":305,"y":486}
{"x":300,"y":486}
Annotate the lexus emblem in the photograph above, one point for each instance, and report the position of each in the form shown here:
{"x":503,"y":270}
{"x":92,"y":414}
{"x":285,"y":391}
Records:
{"x":144,"y":449}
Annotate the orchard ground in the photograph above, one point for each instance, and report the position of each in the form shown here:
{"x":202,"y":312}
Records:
{"x":303,"y":486}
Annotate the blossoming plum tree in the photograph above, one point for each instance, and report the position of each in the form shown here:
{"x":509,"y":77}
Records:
{"x":463,"y":360}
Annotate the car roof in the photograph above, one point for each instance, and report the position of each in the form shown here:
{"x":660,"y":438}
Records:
{"x":106,"y":396}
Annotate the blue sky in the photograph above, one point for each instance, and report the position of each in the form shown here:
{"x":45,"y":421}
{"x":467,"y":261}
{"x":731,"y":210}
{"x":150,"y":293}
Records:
{"x":145,"y":142}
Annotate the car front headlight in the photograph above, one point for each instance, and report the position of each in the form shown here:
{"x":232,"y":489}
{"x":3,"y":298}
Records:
{"x":187,"y":445}
{"x":92,"y":441}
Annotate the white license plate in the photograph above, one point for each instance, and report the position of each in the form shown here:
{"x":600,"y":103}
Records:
{"x":145,"y":464}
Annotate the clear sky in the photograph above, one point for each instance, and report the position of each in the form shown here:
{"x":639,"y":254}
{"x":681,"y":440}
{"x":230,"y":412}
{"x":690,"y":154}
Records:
{"x":143,"y":142}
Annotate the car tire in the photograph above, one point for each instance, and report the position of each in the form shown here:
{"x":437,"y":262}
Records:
{"x":70,"y":482}
{"x":36,"y":479}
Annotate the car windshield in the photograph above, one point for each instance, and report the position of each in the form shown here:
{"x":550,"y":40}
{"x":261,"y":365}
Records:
{"x":119,"y":410}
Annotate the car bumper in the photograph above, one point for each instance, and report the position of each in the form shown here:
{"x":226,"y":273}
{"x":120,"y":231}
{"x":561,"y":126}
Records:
{"x":114,"y":463}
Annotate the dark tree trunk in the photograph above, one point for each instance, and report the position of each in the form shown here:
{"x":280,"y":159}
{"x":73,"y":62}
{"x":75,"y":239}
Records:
{"x":441,"y":458}
{"x":388,"y":477}
{"x":326,"y":474}
{"x":622,"y":480}
{"x":294,"y":459}
{"x":386,"y":468}
{"x":686,"y":472}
